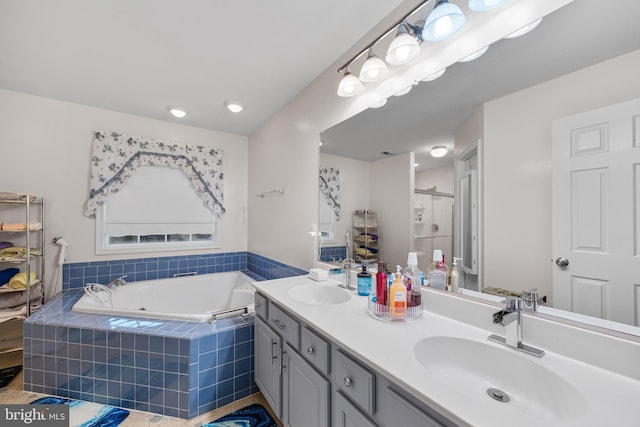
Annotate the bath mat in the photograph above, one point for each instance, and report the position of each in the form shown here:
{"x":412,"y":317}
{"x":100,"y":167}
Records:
{"x":8,"y":374}
{"x":250,"y":416}
{"x":87,"y":414}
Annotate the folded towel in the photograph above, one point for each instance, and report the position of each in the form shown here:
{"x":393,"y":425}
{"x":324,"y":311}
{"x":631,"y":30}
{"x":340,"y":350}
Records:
{"x":19,"y":281}
{"x":4,"y":245}
{"x":16,"y":196}
{"x":7,"y":274}
{"x":33,"y":226}
{"x":12,"y":298}
{"x":17,"y":253}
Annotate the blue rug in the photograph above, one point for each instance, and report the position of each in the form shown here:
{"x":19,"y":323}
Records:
{"x":87,"y":414}
{"x":250,"y":416}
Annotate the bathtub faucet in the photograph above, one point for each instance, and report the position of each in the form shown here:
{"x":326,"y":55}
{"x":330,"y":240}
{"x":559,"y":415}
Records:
{"x":117,"y":282}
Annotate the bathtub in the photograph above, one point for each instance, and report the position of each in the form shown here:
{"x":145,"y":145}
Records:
{"x":196,"y":298}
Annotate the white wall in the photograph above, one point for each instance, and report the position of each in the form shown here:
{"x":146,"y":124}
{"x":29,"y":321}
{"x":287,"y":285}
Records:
{"x":392,"y":185}
{"x":46,"y":149}
{"x":354,"y":190}
{"x":517,"y":167}
{"x":442,"y":178}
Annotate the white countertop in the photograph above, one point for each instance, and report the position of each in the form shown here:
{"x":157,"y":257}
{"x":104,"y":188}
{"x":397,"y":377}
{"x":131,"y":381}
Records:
{"x":388,"y":348}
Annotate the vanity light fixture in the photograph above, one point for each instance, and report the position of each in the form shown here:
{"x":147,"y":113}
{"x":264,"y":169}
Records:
{"x":350,"y":85}
{"x":484,"y":5}
{"x":234,"y":106}
{"x":442,"y":22}
{"x":439,"y":151}
{"x":445,"y":20}
{"x":374,"y":69}
{"x":475,"y":55}
{"x":524,"y":30}
{"x":404,"y":46}
{"x":434,"y":76}
{"x":177,"y":112}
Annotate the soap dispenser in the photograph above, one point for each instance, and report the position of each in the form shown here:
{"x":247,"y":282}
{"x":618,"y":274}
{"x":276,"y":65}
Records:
{"x":364,"y":281}
{"x":398,"y":297}
{"x":455,"y":275}
{"x":437,"y":272}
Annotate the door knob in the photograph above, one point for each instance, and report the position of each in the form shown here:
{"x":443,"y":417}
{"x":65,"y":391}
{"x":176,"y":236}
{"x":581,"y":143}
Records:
{"x":562,"y":262}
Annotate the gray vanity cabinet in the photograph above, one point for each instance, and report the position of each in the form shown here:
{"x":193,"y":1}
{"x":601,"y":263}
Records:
{"x":305,"y":393}
{"x":310,"y":381}
{"x":298,"y":394}
{"x":268,"y":364}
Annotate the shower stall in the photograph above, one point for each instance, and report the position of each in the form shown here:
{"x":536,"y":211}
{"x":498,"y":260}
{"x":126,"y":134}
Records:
{"x":433,"y":223}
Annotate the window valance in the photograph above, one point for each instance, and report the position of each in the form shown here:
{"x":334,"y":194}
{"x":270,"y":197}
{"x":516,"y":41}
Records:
{"x":116,"y":157}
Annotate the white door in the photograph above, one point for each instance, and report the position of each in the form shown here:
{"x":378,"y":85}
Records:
{"x":596,"y":213}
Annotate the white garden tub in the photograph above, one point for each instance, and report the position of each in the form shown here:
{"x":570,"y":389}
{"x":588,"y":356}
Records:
{"x":197,"y":298}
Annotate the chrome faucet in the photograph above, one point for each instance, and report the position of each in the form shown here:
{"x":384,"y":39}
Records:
{"x":346,"y":266}
{"x":511,"y":318}
{"x":117,"y":282}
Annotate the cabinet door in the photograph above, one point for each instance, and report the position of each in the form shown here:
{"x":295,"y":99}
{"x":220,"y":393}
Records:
{"x":346,"y":415}
{"x":268,"y":368}
{"x":305,"y":394}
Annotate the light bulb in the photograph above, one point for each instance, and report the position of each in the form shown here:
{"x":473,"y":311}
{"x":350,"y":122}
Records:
{"x":350,"y":85}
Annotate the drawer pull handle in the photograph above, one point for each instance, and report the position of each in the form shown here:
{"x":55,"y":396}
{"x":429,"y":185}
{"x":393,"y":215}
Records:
{"x":348,"y":381}
{"x":278,"y":324}
{"x":310,"y":350}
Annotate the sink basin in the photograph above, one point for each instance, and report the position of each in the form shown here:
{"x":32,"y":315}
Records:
{"x":485,"y":373}
{"x":319,"y":294}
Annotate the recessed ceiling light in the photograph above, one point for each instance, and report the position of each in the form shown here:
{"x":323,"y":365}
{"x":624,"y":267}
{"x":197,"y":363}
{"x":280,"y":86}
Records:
{"x":178,"y":112}
{"x":415,"y":165}
{"x":234,"y":106}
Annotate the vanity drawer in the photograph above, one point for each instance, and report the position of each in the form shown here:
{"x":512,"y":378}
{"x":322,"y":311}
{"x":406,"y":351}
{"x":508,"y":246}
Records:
{"x":285,"y":325}
{"x":315,"y":350}
{"x":261,"y":305}
{"x":355,"y":381}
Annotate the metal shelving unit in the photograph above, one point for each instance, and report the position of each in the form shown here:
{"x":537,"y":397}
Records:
{"x":365,"y":236}
{"x":14,"y":208}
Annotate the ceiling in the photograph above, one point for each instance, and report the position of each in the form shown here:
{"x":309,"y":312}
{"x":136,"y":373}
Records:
{"x":570,"y":39}
{"x":142,"y":56}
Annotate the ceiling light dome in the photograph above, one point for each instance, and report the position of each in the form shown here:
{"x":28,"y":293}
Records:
{"x":484,"y":5}
{"x":374,"y":69}
{"x":439,"y":151}
{"x":475,"y":55}
{"x":403,"y":48}
{"x":524,"y":30}
{"x":445,"y":20}
{"x":434,"y":76}
{"x":350,"y":85}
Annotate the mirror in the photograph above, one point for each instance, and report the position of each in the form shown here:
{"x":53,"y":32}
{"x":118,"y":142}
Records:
{"x":515,"y":187}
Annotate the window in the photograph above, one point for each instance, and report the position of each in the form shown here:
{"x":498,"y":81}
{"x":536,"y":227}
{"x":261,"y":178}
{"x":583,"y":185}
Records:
{"x":157,"y":210}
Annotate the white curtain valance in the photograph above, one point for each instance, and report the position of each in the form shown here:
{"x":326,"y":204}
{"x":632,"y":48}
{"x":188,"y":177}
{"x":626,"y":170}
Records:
{"x":330,"y":189}
{"x":116,"y":157}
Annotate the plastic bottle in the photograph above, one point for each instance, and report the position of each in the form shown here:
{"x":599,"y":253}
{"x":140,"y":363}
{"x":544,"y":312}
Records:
{"x":364,"y":282}
{"x":398,"y":297}
{"x":437,"y":272}
{"x":413,"y":279}
{"x":455,"y":275}
{"x":381,"y":285}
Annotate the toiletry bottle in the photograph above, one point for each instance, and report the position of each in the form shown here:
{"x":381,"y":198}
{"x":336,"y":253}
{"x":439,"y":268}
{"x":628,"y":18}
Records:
{"x":364,"y":281}
{"x":437,"y":272}
{"x":413,"y":279}
{"x":453,"y":287}
{"x":381,"y":285}
{"x":398,"y":297}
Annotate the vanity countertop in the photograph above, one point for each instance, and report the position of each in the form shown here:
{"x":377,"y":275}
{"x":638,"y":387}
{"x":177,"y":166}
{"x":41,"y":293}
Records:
{"x":552,"y":390}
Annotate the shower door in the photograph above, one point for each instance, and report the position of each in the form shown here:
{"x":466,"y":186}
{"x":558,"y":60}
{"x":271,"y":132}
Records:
{"x":433,"y":222}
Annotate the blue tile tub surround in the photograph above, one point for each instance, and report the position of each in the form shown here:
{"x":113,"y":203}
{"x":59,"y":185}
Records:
{"x":76,"y":275}
{"x":333,"y":253}
{"x":175,"y":368}
{"x":169,"y":367}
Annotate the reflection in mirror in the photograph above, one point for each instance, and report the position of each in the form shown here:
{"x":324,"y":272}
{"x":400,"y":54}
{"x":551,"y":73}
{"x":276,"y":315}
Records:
{"x":508,"y":100}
